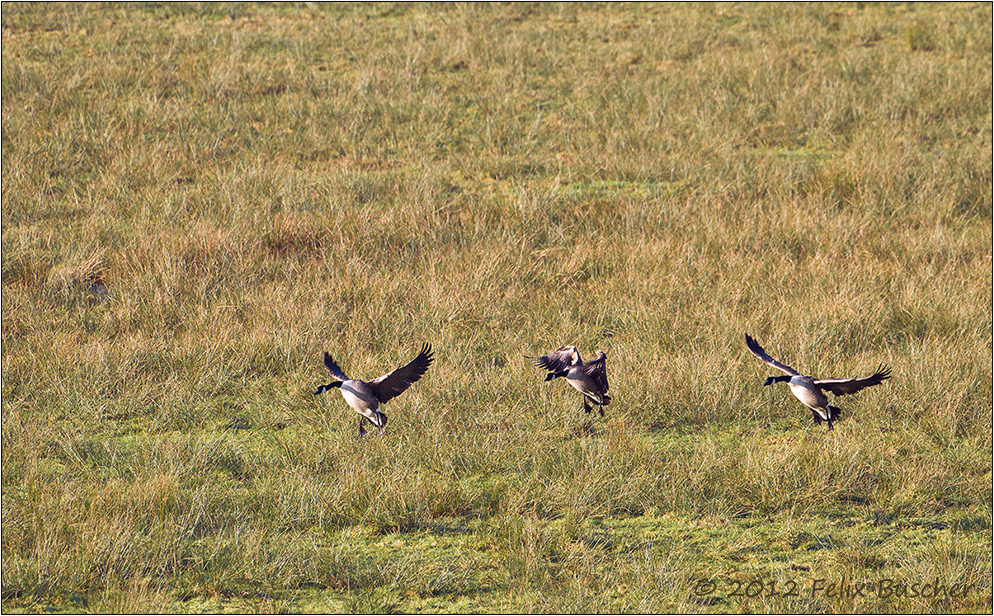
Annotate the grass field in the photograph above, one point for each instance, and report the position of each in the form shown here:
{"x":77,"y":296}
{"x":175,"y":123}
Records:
{"x":200,"y":199}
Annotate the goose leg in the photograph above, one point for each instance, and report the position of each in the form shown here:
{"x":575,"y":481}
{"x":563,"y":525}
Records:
{"x":586,"y":405}
{"x":362,"y":428}
{"x":834,"y":413}
{"x":600,"y":409}
{"x":828,"y":417}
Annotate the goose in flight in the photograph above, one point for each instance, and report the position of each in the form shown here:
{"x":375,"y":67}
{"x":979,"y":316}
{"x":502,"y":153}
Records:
{"x":367,"y":396}
{"x":811,"y":391}
{"x":588,"y":378}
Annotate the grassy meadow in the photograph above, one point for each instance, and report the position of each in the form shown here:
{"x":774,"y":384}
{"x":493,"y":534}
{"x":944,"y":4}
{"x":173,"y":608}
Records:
{"x":200,"y":199}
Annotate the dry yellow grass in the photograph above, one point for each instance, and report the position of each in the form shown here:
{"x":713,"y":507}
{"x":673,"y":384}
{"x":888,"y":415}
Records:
{"x":199,"y":199}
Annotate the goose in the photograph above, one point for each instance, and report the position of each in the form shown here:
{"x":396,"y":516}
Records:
{"x":367,"y":396}
{"x":588,"y":378}
{"x":811,"y":391}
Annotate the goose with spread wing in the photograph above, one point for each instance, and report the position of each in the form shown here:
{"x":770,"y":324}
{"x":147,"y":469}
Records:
{"x":588,"y":378}
{"x":365,"y":397}
{"x":811,"y":391}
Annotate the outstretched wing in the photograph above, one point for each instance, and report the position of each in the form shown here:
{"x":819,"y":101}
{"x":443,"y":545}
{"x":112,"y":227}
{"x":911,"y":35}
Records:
{"x":560,"y":359}
{"x":392,"y":384}
{"x":769,"y":361}
{"x":841,"y":387}
{"x":333,"y":368}
{"x":597,"y":370}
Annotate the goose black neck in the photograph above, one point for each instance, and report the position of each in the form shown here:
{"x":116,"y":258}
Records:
{"x":330,"y":385}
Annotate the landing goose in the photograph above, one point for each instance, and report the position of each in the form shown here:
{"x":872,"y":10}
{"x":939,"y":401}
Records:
{"x":367,"y":396}
{"x":811,"y":391}
{"x":588,"y":378}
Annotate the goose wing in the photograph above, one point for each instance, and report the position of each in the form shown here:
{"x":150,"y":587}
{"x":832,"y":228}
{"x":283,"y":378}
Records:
{"x":333,"y":368}
{"x":841,"y":387}
{"x":769,"y":361}
{"x":560,"y":359}
{"x":392,"y":384}
{"x":597,"y":370}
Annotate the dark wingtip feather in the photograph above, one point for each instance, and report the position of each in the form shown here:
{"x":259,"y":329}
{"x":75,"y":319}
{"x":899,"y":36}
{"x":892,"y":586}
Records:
{"x":541,"y":362}
{"x":751,"y":343}
{"x":754,"y":347}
